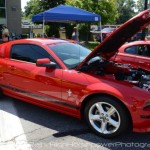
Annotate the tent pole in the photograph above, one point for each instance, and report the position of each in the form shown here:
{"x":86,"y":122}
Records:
{"x":77,"y":32}
{"x":43,"y":25}
{"x":100,"y":26}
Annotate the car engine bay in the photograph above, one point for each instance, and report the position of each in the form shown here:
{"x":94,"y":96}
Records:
{"x":122,"y":72}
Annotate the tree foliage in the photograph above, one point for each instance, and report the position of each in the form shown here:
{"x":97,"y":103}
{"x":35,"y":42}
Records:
{"x":105,"y":8}
{"x":36,"y":6}
{"x":126,"y":9}
{"x":47,"y":4}
{"x":32,"y":8}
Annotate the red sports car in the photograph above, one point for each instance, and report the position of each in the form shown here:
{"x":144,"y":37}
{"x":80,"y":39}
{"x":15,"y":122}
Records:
{"x":66,"y":77}
{"x":135,"y":53}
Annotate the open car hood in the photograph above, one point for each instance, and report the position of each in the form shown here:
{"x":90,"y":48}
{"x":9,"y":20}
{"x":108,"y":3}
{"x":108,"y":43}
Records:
{"x":109,"y":47}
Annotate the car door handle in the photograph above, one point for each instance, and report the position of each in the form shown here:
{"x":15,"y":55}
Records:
{"x":12,"y":68}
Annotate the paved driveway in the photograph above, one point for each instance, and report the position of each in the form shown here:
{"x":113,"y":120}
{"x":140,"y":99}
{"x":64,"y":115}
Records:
{"x":27,"y":127}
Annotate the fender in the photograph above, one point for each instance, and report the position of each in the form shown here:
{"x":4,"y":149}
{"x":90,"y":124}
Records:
{"x":121,"y":92}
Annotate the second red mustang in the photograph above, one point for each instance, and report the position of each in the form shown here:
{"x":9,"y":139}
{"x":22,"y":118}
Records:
{"x":135,"y":53}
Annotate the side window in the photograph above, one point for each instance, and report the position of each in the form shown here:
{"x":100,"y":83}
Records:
{"x":131,"y":50}
{"x":29,"y":52}
{"x":143,"y":50}
{"x":148,"y":49}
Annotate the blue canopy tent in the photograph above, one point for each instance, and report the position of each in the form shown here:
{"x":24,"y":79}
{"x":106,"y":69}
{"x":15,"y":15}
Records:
{"x":65,"y":13}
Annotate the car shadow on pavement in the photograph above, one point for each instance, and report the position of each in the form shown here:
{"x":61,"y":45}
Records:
{"x":68,"y":126}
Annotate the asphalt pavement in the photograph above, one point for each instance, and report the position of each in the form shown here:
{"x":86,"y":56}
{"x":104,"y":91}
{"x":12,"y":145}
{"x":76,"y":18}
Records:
{"x":25,"y":126}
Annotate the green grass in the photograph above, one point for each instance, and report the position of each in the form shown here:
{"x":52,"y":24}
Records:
{"x":90,"y":45}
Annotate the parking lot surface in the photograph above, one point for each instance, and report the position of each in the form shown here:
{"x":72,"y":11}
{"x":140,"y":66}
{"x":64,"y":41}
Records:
{"x":27,"y":127}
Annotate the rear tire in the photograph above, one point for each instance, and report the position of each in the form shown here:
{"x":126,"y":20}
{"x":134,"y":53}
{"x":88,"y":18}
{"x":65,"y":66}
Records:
{"x":106,"y":117}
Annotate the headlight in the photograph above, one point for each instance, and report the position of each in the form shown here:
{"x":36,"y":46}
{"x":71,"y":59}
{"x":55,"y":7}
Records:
{"x":147,"y":105}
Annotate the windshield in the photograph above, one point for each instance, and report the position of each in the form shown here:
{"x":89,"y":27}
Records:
{"x":71,"y":54}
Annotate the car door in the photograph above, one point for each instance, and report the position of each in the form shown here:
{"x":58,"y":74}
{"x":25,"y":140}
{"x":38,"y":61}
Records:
{"x":29,"y":80}
{"x":127,"y":55}
{"x":143,"y":57}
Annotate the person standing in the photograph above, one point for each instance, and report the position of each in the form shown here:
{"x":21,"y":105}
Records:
{"x":5,"y":34}
{"x":75,"y":34}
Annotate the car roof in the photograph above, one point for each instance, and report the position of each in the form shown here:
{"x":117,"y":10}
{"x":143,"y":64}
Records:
{"x":135,"y":43}
{"x":47,"y":41}
{"x":43,"y":41}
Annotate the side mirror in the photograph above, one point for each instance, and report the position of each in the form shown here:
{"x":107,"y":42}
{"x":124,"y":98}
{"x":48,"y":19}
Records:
{"x":45,"y":62}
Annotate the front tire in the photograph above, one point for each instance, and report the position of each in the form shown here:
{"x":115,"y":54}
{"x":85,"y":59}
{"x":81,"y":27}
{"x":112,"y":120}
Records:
{"x":106,"y":117}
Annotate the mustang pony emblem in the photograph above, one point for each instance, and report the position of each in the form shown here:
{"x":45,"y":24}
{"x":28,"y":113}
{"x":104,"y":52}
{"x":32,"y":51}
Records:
{"x":69,"y":93}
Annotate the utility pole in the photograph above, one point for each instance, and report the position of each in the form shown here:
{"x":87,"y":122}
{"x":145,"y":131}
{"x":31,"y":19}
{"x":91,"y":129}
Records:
{"x":146,"y":4}
{"x":144,"y":31}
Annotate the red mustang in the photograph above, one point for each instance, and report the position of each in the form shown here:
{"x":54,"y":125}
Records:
{"x":66,"y":77}
{"x":135,"y":53}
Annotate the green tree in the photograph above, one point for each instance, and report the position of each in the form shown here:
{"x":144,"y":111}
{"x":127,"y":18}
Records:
{"x":47,"y":4}
{"x":107,"y":9}
{"x":36,"y":6}
{"x":126,"y":10}
{"x":32,"y":8}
